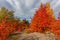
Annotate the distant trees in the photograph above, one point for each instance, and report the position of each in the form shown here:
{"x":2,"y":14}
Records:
{"x":59,"y":16}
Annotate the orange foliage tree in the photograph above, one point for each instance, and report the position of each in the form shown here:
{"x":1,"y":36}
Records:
{"x":9,"y":24}
{"x":43,"y":18}
{"x":57,"y":27}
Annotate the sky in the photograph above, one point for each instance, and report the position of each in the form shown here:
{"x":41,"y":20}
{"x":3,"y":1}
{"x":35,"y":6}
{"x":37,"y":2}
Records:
{"x":25,"y":9}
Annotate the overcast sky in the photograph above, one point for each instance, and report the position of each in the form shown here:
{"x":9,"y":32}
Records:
{"x":26,"y":8}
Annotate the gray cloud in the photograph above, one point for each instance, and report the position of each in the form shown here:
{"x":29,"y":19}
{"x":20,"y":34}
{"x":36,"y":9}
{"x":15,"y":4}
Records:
{"x":26,"y":8}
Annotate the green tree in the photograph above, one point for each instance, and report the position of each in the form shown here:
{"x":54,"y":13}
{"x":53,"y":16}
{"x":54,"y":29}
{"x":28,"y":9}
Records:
{"x":6,"y":14}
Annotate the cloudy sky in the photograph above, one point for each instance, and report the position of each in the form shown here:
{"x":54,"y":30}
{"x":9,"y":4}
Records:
{"x":26,"y":8}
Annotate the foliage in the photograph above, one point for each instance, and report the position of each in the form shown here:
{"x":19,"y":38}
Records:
{"x":44,"y":20}
{"x":9,"y":24}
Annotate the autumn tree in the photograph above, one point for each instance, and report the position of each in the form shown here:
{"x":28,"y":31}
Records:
{"x":57,"y":27}
{"x":43,"y":18}
{"x":9,"y":24}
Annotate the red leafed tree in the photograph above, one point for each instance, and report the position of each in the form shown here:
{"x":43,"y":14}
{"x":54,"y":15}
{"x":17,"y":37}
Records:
{"x":57,"y":27}
{"x":43,"y":18}
{"x":9,"y":24}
